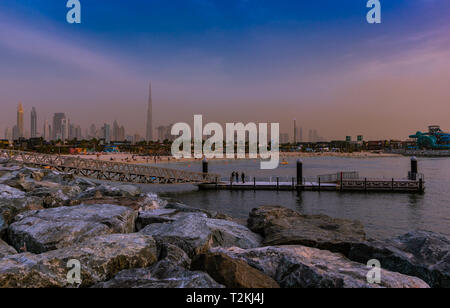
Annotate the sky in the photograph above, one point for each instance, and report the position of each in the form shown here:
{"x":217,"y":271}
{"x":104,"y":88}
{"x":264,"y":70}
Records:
{"x":318,"y":62}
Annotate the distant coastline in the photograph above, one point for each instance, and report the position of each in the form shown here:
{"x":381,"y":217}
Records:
{"x":137,"y":159}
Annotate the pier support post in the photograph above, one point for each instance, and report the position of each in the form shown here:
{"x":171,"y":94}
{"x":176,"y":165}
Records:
{"x":299,"y":172}
{"x":414,"y":169}
{"x":205,"y":166}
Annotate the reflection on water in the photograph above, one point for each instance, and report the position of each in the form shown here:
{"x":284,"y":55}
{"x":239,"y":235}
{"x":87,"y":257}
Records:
{"x":383,"y":214}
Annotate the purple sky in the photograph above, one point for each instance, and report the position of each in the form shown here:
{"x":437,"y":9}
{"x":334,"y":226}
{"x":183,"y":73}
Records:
{"x":249,"y":61}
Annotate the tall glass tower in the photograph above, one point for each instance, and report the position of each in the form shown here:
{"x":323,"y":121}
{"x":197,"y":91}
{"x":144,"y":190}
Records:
{"x":149,"y":131}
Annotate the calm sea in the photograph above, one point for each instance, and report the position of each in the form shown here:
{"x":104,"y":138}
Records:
{"x":383,"y":214}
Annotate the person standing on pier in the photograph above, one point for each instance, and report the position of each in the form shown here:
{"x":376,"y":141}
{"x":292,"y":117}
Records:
{"x":243,"y":178}
{"x":232,"y":176}
{"x":237,"y":177}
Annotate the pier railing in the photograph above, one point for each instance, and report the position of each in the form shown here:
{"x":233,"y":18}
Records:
{"x":106,"y":170}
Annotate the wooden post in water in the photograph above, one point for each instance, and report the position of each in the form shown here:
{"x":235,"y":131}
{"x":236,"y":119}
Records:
{"x":278,"y":183}
{"x":205,"y":166}
{"x":299,"y":172}
{"x":414,"y":169}
{"x":319,"y":183}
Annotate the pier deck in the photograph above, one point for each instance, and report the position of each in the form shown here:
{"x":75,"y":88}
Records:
{"x":359,"y":185}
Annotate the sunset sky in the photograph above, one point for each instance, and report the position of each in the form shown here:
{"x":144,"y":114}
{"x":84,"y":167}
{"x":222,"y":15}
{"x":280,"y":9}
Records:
{"x":232,"y":61}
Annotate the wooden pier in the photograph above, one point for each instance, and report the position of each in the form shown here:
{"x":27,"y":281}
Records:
{"x":337,"y":182}
{"x":107,"y":170}
{"x":359,"y":185}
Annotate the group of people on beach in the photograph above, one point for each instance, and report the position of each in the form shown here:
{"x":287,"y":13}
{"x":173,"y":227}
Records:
{"x":235,"y":177}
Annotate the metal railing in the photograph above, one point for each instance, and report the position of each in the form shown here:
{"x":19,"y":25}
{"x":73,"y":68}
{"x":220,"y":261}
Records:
{"x":105,"y":170}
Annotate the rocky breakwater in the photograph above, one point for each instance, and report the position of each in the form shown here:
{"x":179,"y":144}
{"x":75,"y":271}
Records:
{"x":421,"y":254}
{"x":123,"y":238}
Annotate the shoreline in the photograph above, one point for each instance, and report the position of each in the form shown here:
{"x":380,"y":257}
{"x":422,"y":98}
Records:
{"x":137,"y":159}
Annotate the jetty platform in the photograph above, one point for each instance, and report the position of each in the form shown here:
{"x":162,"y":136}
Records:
{"x":345,"y":181}
{"x":356,"y":185}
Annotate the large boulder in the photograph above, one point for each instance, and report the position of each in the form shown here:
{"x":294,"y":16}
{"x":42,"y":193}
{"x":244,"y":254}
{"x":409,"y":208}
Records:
{"x":155,"y":278}
{"x":233,"y":273}
{"x":6,"y":250}
{"x":101,"y":258}
{"x":282,"y":226}
{"x":305,"y":267}
{"x":8,"y":192}
{"x":171,"y":271}
{"x":105,"y":190}
{"x":49,"y":229}
{"x":183,"y":208}
{"x":196,"y":233}
{"x":10,"y":207}
{"x":56,"y":197}
{"x":146,"y":218}
{"x":173,"y":255}
{"x":421,"y":253}
{"x":58,"y":177}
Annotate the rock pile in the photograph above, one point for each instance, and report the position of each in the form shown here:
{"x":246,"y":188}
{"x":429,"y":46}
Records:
{"x":123,"y":238}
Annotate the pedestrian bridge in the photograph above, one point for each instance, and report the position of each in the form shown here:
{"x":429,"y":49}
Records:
{"x":109,"y":171}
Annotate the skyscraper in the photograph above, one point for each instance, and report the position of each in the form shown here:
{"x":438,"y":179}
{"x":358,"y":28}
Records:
{"x":57,"y":126}
{"x":19,"y":125}
{"x":149,"y":135}
{"x":46,"y":132}
{"x":311,"y":136}
{"x":65,"y":124}
{"x":295,"y":132}
{"x":115,"y":131}
{"x":107,"y":133}
{"x":33,"y":123}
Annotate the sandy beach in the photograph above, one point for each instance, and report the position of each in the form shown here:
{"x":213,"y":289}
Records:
{"x":136,"y":159}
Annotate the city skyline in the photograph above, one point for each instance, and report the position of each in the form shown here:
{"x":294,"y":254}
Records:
{"x":63,"y":129}
{"x":233,"y":62}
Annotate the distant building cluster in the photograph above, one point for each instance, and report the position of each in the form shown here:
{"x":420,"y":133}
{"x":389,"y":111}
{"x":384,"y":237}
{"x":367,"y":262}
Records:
{"x":298,"y":137}
{"x":61,"y":128}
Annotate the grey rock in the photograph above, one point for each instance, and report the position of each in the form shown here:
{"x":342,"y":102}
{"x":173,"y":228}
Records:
{"x":58,"y":177}
{"x":83,"y":183}
{"x":195,"y":233}
{"x":54,"y":197}
{"x":174,"y":255}
{"x":305,"y":267}
{"x":157,"y":277}
{"x":421,"y":253}
{"x":9,"y":208}
{"x":101,"y":258}
{"x":8,"y":192}
{"x":146,"y":218}
{"x":6,"y":250}
{"x":105,"y":190}
{"x":37,"y":175}
{"x":283,"y":226}
{"x":231,"y":272}
{"x":49,"y":229}
{"x":183,"y":208}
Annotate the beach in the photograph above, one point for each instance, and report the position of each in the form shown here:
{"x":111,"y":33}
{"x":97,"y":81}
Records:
{"x":138,"y":159}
